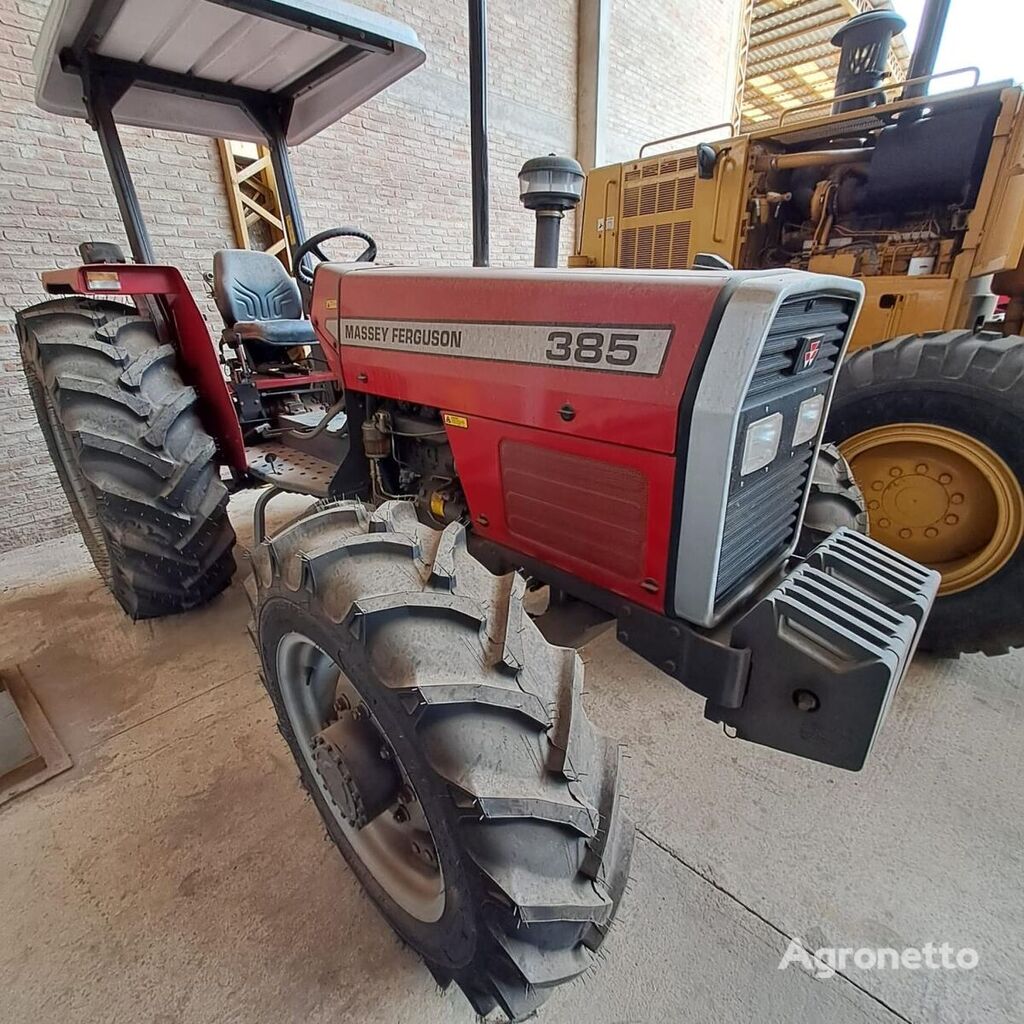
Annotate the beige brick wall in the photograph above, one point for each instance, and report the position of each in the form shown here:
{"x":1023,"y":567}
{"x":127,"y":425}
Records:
{"x":398,"y":166}
{"x":671,"y":68}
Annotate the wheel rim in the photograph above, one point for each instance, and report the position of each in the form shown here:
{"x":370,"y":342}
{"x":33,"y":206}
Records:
{"x":397,"y":846}
{"x":940,"y":497}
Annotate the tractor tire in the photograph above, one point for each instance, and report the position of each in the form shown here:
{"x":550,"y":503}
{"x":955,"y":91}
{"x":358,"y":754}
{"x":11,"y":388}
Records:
{"x":136,"y":465}
{"x":933,"y":428}
{"x":505,"y":787}
{"x":835,"y":501}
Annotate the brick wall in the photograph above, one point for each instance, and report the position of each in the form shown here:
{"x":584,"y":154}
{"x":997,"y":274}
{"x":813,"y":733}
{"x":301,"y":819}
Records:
{"x":671,"y":68}
{"x":398,"y":166}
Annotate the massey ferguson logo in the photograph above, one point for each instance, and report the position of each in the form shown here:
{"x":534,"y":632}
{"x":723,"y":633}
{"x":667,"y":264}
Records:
{"x":807,"y":354}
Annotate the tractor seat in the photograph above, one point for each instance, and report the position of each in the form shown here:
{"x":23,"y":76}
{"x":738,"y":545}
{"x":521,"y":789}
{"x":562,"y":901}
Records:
{"x":260,"y":303}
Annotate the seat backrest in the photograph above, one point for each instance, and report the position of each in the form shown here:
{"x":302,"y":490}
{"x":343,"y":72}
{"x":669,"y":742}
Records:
{"x":249,"y":285}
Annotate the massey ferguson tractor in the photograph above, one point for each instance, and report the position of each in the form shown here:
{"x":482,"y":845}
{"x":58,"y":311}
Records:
{"x":639,"y":440}
{"x":921,"y":198}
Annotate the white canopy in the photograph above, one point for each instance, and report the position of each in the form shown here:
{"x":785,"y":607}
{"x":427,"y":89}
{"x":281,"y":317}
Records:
{"x":196,"y":65}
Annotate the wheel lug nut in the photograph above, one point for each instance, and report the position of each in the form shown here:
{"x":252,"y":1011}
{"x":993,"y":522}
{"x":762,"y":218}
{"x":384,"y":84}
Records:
{"x":877,"y":485}
{"x":952,"y":520}
{"x":895,"y":471}
{"x":905,"y":533}
{"x":921,"y":467}
{"x":945,"y":478}
{"x":884,"y":523}
{"x":956,"y":499}
{"x":931,"y":532}
{"x":872,"y":504}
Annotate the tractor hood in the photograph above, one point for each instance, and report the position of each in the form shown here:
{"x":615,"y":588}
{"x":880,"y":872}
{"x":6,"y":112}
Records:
{"x":203,"y":66}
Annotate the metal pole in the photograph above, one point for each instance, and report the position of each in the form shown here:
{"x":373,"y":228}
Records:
{"x":101,"y":117}
{"x":545,"y":240}
{"x":291,"y":213}
{"x":478,"y":131}
{"x":929,"y":37}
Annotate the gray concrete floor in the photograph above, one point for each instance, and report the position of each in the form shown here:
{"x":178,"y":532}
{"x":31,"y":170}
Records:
{"x":176,"y":876}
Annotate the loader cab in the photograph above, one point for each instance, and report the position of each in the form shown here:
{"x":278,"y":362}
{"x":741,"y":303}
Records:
{"x":276,"y":73}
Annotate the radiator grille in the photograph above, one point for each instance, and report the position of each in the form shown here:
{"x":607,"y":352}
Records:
{"x":763,"y":509}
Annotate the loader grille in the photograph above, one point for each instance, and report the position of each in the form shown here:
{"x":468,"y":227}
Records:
{"x":762,"y":515}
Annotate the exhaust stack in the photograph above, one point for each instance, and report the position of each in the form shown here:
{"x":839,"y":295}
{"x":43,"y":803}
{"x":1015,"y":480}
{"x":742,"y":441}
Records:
{"x":865,"y":41}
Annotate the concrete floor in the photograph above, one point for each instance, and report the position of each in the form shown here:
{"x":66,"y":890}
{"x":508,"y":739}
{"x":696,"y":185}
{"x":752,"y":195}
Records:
{"x":175,"y":874}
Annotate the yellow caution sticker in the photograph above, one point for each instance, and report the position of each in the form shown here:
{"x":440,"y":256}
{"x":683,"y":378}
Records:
{"x":331,"y":304}
{"x":451,"y":420}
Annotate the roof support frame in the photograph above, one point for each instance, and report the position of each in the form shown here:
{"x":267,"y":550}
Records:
{"x":105,"y":80}
{"x":101,"y":95}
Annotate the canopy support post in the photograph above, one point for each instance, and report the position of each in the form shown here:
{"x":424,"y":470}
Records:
{"x":100,"y":96}
{"x":291,"y":213}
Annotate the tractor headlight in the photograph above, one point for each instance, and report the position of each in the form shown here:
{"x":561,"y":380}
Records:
{"x":808,"y":419}
{"x":761,"y":444}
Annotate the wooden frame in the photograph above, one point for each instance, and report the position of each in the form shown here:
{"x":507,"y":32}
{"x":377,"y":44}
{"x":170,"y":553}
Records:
{"x":50,"y":756}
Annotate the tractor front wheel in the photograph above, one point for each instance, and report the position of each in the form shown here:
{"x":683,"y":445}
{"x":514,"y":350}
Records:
{"x":444,"y":743}
{"x":136,"y":466}
{"x":933,"y":428}
{"x":835,"y":501}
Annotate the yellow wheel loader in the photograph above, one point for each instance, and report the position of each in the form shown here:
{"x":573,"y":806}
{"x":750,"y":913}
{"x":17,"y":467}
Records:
{"x":922,"y":199}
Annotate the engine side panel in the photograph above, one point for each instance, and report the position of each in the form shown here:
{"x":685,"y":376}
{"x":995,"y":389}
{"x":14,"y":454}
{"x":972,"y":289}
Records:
{"x":561,"y":456}
{"x":507,"y":366}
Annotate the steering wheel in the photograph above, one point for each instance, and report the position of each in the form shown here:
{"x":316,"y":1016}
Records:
{"x":304,"y":275}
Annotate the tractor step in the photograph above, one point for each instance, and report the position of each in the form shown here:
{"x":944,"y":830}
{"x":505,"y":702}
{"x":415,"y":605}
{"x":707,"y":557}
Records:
{"x":290,"y":470}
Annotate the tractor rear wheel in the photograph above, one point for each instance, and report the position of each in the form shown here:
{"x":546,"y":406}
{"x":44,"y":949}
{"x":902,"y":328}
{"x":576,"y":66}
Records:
{"x":444,"y":744}
{"x":933,"y":428}
{"x":136,"y":466}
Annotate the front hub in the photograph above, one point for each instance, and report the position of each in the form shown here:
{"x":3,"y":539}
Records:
{"x":355,"y":765}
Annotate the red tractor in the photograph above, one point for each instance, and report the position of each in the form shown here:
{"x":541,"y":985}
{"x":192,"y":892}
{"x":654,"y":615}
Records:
{"x":641,"y":441}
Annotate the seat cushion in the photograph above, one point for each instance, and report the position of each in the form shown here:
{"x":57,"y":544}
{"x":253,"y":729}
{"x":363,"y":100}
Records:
{"x":285,"y":333}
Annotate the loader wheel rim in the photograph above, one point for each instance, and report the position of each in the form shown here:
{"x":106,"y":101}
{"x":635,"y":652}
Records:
{"x":941,"y":497}
{"x":397,"y":845}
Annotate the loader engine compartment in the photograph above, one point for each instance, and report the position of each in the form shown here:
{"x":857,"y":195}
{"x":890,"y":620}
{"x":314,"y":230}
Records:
{"x":879,"y":195}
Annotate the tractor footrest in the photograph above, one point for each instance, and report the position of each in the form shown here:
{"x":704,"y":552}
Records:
{"x":290,"y":470}
{"x":828,"y":648}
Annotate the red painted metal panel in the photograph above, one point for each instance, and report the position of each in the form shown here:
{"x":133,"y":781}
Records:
{"x":199,"y":363}
{"x":478,"y":457}
{"x":271,"y":383}
{"x":620,"y":408}
{"x":591,"y":492}
{"x":588,"y":510}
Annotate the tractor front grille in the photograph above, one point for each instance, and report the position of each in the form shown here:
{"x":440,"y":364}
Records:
{"x":763,"y":509}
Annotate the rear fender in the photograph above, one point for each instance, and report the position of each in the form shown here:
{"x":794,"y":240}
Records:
{"x":197,"y":358}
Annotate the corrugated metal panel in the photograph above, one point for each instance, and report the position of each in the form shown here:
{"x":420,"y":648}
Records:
{"x":790,"y":59}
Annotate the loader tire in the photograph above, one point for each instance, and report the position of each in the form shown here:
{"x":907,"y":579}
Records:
{"x":933,"y":428}
{"x":136,"y":466}
{"x":835,"y":501}
{"x":374,"y":621}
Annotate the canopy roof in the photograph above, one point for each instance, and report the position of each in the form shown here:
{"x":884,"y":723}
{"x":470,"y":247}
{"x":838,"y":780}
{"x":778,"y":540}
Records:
{"x":209,"y":66}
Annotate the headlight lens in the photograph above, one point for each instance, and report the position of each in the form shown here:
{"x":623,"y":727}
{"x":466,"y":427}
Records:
{"x":808,"y":419}
{"x":761,"y":444}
